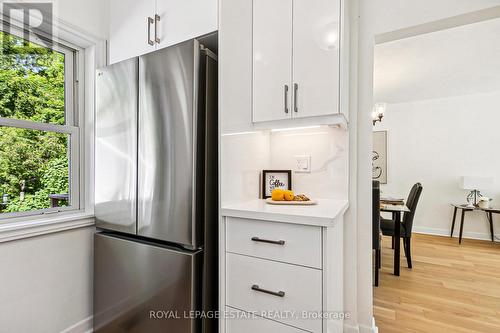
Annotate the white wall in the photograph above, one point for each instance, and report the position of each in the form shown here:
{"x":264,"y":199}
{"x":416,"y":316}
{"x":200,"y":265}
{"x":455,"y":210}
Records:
{"x":435,"y":142}
{"x":377,"y":17}
{"x":88,"y":15}
{"x":435,"y":65}
{"x":47,"y":282}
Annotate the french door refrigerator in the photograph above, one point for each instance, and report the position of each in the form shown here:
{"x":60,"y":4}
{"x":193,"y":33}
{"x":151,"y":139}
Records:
{"x":155,"y":257}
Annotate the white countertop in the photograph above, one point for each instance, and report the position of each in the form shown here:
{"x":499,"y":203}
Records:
{"x":324,"y":214}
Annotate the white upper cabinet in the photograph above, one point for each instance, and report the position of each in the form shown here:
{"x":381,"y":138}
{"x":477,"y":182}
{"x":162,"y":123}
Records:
{"x":181,"y":20}
{"x":316,"y":65}
{"x":296,"y":43}
{"x":128,"y":28}
{"x":272,"y":60}
{"x":138,"y":27}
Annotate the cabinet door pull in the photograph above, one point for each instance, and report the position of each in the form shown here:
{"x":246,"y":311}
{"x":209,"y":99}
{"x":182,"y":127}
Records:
{"x":286,"y":98}
{"x":150,"y":21}
{"x":295,"y":93}
{"x":279,"y":242}
{"x":274,"y":293}
{"x":157,"y":19}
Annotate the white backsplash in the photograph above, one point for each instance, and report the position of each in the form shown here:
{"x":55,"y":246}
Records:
{"x":245,"y":155}
{"x":327,"y":146}
{"x":243,"y":158}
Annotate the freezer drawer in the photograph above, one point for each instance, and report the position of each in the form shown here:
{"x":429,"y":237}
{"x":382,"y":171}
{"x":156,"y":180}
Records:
{"x":140,"y":287}
{"x":116,"y":147}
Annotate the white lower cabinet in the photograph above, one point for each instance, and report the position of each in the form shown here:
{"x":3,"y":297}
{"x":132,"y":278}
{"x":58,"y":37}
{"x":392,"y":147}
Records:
{"x":282,"y":292}
{"x":241,"y":322}
{"x":280,"y":277}
{"x":290,"y":243}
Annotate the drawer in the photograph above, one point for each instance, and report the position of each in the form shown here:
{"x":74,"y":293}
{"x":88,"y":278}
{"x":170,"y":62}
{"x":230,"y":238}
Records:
{"x":290,"y":243}
{"x":239,"y":322}
{"x":248,"y":279}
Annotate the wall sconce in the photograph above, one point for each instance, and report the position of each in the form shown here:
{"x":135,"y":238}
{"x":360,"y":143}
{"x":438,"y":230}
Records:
{"x":378,"y":112}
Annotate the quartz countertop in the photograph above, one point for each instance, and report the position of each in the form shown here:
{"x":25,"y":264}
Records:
{"x":324,"y":214}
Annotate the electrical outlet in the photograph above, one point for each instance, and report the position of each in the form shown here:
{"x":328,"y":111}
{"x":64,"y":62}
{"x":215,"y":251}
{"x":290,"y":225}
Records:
{"x":303,"y":163}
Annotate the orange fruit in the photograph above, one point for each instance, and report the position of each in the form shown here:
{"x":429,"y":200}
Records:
{"x":278,"y":195}
{"x":289,"y":195}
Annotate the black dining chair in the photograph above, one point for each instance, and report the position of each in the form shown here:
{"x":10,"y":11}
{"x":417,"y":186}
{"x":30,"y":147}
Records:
{"x":376,"y":228}
{"x":387,"y":226}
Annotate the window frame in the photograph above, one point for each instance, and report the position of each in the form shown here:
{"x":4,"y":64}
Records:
{"x":71,"y":127}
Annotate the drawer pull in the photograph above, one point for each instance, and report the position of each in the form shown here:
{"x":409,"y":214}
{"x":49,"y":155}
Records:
{"x":279,"y":293}
{"x":279,"y":242}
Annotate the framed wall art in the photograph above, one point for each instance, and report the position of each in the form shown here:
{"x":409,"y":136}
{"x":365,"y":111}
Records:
{"x":273,"y":179}
{"x":379,"y":157}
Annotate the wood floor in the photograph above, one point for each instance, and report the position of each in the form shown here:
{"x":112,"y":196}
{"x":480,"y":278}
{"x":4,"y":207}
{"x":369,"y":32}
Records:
{"x":451,"y":288}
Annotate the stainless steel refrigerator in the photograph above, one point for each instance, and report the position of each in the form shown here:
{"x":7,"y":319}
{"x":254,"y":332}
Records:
{"x":155,"y":257}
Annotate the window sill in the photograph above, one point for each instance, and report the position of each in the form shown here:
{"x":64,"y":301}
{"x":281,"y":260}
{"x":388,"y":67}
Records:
{"x":36,"y":226}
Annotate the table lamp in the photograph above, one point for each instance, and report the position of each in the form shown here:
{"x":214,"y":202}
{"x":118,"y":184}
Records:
{"x":474,"y":184}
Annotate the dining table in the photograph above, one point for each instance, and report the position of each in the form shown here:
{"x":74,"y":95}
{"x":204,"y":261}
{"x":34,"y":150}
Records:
{"x":395,"y":210}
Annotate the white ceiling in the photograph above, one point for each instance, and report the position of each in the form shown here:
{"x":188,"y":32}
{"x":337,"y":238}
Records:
{"x":459,"y":61}
{"x":390,"y":15}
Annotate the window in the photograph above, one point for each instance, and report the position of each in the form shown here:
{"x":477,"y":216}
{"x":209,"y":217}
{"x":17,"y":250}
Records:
{"x":39,"y":134}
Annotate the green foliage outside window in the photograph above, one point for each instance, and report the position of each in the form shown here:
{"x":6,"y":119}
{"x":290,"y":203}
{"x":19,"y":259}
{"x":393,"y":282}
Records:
{"x":31,"y":161}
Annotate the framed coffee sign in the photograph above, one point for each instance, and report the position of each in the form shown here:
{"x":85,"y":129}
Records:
{"x":273,"y":179}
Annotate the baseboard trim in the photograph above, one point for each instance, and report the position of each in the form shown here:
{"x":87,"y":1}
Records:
{"x":446,"y":232}
{"x":351,"y":328}
{"x":361,"y":328}
{"x":83,"y":326}
{"x":369,"y":329}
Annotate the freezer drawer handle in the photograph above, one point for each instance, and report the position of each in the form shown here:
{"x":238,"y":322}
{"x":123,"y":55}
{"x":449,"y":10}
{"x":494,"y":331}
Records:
{"x":279,"y":242}
{"x":279,"y":293}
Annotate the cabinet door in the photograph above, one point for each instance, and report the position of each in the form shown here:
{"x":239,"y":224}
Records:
{"x":128,"y":28}
{"x":316,"y":60}
{"x":181,"y":20}
{"x":272,"y":59}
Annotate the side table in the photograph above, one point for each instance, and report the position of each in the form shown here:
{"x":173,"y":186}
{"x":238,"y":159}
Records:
{"x":465,"y":208}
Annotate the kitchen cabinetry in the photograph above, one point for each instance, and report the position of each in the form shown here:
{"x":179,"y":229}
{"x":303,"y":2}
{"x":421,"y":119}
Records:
{"x":272,"y":59}
{"x":296,"y":59}
{"x":128,"y":28}
{"x":185,"y":19}
{"x":140,"y":27}
{"x":281,"y":272}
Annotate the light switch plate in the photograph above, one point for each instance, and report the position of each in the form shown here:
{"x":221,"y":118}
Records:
{"x":303,"y":163}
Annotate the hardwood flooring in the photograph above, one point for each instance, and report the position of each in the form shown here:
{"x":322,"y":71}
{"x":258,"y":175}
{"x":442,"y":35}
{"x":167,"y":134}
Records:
{"x":451,"y":288}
